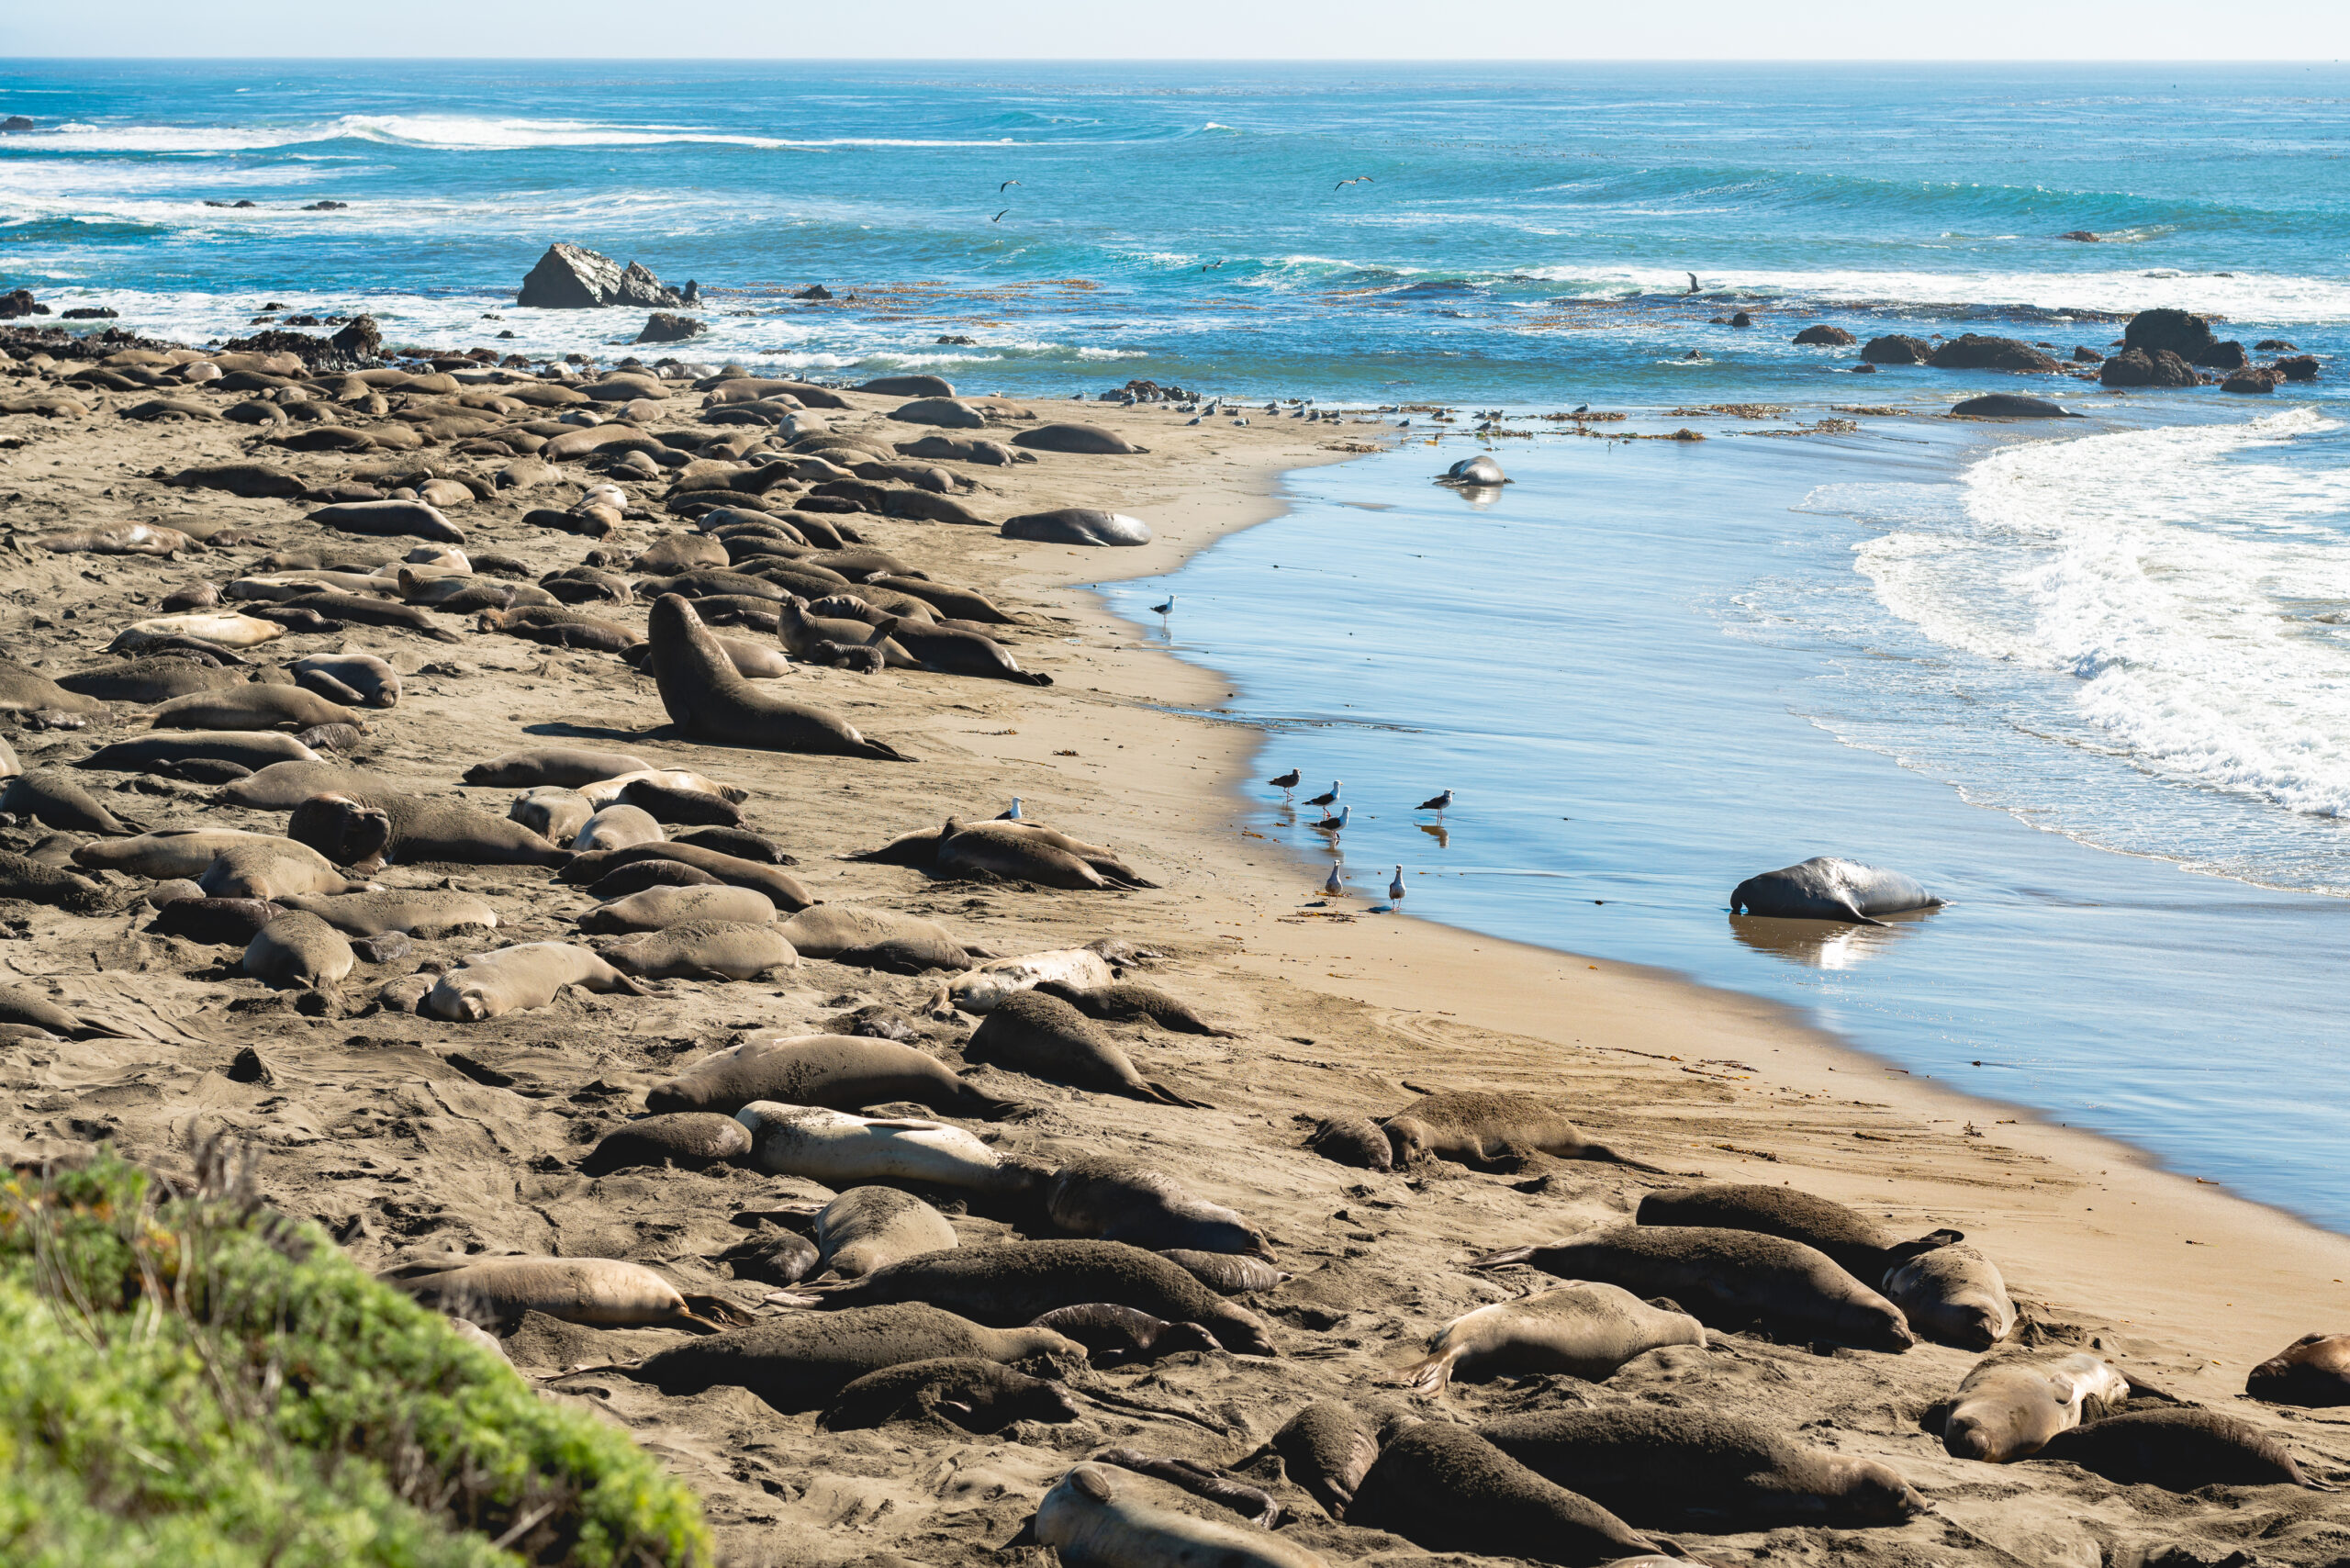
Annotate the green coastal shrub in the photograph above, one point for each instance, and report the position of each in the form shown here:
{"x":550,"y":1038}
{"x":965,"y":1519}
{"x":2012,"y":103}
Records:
{"x":196,"y":1382}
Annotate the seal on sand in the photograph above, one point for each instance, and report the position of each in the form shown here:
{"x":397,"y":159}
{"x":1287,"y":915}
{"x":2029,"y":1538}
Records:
{"x":782,"y":889}
{"x":424,"y":912}
{"x":950,"y":650}
{"x":1480,"y":1128}
{"x":1226,"y":1274}
{"x":1018,"y":1281}
{"x":1849,"y":1237}
{"x":359,"y":680}
{"x":702,"y":949}
{"x":605,"y":1291}
{"x":1445,"y":1488}
{"x":367,"y":831}
{"x":2313,"y":1370}
{"x":1327,"y":1449}
{"x":553,"y":813}
{"x":258,"y":750}
{"x":298,"y":949}
{"x":1353,"y":1141}
{"x":874,"y":939}
{"x":709,"y":700}
{"x":871,"y":1227}
{"x":1124,"y":1001}
{"x":1046,"y":1037}
{"x":1953,"y":1294}
{"x":2011,"y":1403}
{"x":52,"y":798}
{"x":1825,"y":888}
{"x":1078,"y":525}
{"x":1029,"y":854}
{"x":840,"y":1150}
{"x":271,"y":869}
{"x":657,"y":908}
{"x":1091,"y":439}
{"x":219,"y":923}
{"x":691,"y":1140}
{"x":616,"y":827}
{"x":947,"y":1392}
{"x":1583,"y":1328}
{"x":978,"y":990}
{"x":1661,"y":1467}
{"x":567,"y":766}
{"x":22,"y":1007}
{"x":2178,"y":1450}
{"x":1092,"y":1517}
{"x":253,"y":706}
{"x":800,"y":1361}
{"x":1113,"y":1336}
{"x":1726,"y":1278}
{"x":841,"y":1072}
{"x":174,"y":852}
{"x":1125,"y":1200}
{"x":528,"y":975}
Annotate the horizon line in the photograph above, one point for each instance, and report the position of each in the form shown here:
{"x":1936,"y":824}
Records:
{"x":1746,"y":57}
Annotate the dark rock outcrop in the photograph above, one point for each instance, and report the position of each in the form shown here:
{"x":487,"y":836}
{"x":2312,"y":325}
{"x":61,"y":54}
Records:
{"x":1974,"y":352}
{"x":2084,"y":355}
{"x":2083,"y":235}
{"x":572,"y":277}
{"x":1895,"y":349}
{"x":661,"y":326}
{"x":20,"y":302}
{"x":359,"y":340}
{"x":2141,"y":367}
{"x":1826,"y":336}
{"x":2185,"y":334}
{"x":91,"y":313}
{"x":2301,"y":367}
{"x":2252,"y":378}
{"x":15,"y":123}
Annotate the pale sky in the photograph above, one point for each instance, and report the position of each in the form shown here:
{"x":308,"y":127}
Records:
{"x":949,"y":30}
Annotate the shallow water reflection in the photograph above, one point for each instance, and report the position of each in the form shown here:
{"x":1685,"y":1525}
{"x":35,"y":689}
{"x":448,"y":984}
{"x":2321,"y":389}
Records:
{"x":1825,"y":944}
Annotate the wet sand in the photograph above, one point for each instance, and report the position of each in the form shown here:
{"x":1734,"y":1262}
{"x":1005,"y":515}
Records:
{"x":409,"y":1137}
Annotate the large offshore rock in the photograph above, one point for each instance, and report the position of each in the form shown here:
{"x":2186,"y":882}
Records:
{"x":572,"y":277}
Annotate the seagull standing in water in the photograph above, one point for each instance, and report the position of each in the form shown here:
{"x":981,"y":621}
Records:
{"x":1161,"y":610}
{"x":1395,"y":887}
{"x":1337,"y":825}
{"x":1335,"y":887}
{"x":1286,"y":782}
{"x":1327,"y":801}
{"x":1437,"y":803}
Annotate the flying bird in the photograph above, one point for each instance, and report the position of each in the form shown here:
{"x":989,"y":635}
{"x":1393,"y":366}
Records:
{"x":1005,"y":186}
{"x":1358,"y":180}
{"x":1286,"y":782}
{"x":1692,"y":283}
{"x":1326,"y":800}
{"x":998,"y":216}
{"x":1437,"y":802}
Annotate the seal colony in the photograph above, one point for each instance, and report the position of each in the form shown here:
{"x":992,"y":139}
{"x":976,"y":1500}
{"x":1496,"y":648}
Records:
{"x":1009,"y":1187}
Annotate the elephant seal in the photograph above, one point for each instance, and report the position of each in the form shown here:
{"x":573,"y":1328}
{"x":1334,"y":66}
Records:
{"x":216,"y":923}
{"x":800,"y":1361}
{"x":950,"y":650}
{"x":1353,"y":1141}
{"x":738,"y":843}
{"x":1327,"y":1449}
{"x":258,"y":750}
{"x":1089,"y":1524}
{"x":569,"y":767}
{"x":1726,"y":1278}
{"x":840,"y":1071}
{"x":871,"y":1227}
{"x":355,"y":680}
{"x":1474,"y":472}
{"x":947,"y":1392}
{"x":874,"y":939}
{"x":127,"y":538}
{"x":2178,"y":1450}
{"x":691,"y":1140}
{"x":1226,"y":1274}
{"x":782,"y":889}
{"x":639,"y":875}
{"x":1124,"y":1001}
{"x":978,"y":990}
{"x":1844,"y":1234}
{"x":708,"y":699}
{"x":1091,"y":441}
{"x":412,"y":518}
{"x":1125,"y":1200}
{"x":1483,"y":1128}
{"x":906,"y":387}
{"x":840,"y":1149}
{"x":1445,"y":1488}
{"x":616,"y":827}
{"x":25,"y":1009}
{"x":1953,"y":1294}
{"x":425,"y":912}
{"x":1046,"y":1037}
{"x":607,"y":1291}
{"x":282,"y":786}
{"x":773,"y":1255}
{"x":553,"y":813}
{"x":271,"y":868}
{"x":656,"y":909}
{"x":1665,"y":1468}
{"x":702,"y":949}
{"x":25,"y":690}
{"x":1078,"y":525}
{"x":298,"y":949}
{"x":1824,"y":888}
{"x":1583,"y":1328}
{"x":52,"y":798}
{"x":368,"y":831}
{"x":2010,"y":405}
{"x":1018,"y":1281}
{"x":2011,"y":1403}
{"x":155,"y":679}
{"x":1030,"y":855}
{"x":173,"y":852}
{"x":21,"y":877}
{"x":1115,"y":1336}
{"x":525,"y":975}
{"x":2313,"y":1370}
{"x":253,"y":706}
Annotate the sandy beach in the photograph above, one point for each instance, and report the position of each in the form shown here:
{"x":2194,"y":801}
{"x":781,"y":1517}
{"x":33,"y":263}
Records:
{"x":409,"y":1138}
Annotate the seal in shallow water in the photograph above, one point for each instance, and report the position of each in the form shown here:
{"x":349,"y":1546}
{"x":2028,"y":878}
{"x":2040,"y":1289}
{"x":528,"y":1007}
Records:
{"x":710,"y":701}
{"x":1825,"y":888}
{"x":1585,"y":1328}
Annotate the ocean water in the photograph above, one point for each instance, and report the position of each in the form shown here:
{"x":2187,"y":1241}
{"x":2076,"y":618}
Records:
{"x":2091,"y":681}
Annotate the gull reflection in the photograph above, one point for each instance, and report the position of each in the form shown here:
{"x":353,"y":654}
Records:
{"x":1825,"y":944}
{"x":1436,"y":832}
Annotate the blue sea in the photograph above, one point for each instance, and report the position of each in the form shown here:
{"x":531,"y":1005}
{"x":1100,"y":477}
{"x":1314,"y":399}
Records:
{"x":2088,"y":680}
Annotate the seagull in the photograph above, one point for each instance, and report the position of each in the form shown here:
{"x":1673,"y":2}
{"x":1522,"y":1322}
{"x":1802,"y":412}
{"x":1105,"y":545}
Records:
{"x":1163,"y":608}
{"x":1013,"y":815}
{"x":1395,"y":887}
{"x":1583,"y":408}
{"x":1286,"y":782}
{"x":1336,"y":824}
{"x":998,"y":216}
{"x":1335,"y":887}
{"x":1358,"y":180}
{"x":1005,"y":186}
{"x":1692,"y":283}
{"x":1437,"y":803}
{"x":1326,"y":800}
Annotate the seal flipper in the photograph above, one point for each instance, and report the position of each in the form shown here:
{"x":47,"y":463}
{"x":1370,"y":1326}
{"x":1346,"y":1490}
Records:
{"x":1432,"y":1375}
{"x":1506,"y":1255}
{"x":1165,"y":1096}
